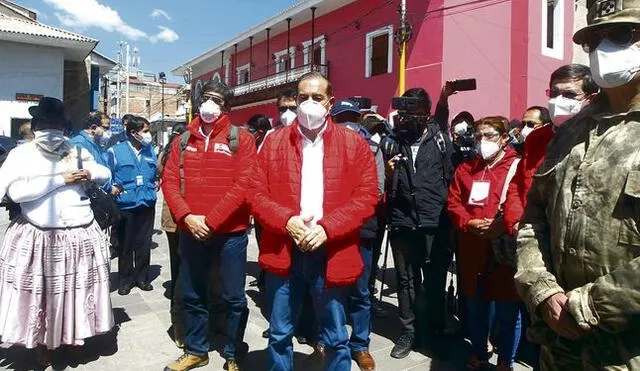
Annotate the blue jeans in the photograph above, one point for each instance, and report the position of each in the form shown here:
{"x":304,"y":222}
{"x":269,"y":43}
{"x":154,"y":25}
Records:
{"x":307,"y":273}
{"x":229,"y":251}
{"x":508,"y":317}
{"x":360,"y":302}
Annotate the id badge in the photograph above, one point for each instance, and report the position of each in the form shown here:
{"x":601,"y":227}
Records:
{"x":479,"y":193}
{"x":139,"y":180}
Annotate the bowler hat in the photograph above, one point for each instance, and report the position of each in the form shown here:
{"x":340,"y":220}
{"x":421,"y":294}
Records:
{"x":603,"y":13}
{"x":48,"y":109}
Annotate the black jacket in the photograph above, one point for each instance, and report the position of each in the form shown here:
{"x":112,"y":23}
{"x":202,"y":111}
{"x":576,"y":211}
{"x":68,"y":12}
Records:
{"x":430,"y":181}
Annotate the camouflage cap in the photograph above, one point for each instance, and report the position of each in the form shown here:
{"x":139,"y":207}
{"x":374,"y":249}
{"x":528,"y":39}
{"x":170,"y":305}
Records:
{"x":603,"y":13}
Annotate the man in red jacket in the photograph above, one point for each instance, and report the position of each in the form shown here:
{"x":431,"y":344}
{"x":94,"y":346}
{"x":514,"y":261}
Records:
{"x":205,"y":182}
{"x":570,"y":89}
{"x":315,"y":186}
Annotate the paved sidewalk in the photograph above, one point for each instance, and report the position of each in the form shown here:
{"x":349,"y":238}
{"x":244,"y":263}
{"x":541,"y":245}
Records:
{"x":140,"y":340}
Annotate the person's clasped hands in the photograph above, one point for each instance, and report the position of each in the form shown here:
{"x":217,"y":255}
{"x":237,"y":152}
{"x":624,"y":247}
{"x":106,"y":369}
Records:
{"x":306,"y":238}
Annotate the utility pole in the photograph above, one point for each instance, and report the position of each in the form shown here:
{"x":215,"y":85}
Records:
{"x":118,"y":82}
{"x":402,"y":36}
{"x":163,"y":80}
{"x":128,"y":70}
{"x":105,"y":94}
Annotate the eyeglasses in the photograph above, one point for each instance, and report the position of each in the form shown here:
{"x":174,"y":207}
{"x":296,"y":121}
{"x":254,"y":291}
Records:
{"x":283,"y":109}
{"x":216,"y":99}
{"x":553,"y":93}
{"x":531,"y":124}
{"x":621,"y":35}
{"x":490,"y":135}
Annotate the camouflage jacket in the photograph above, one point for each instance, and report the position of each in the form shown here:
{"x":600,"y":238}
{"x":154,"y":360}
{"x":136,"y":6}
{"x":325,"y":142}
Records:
{"x":580,"y":231}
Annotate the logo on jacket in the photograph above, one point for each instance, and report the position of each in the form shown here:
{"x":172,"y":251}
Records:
{"x":191,"y":149}
{"x":222,"y":148}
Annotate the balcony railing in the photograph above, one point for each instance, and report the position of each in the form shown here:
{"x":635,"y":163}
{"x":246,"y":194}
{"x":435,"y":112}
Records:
{"x":280,"y":78}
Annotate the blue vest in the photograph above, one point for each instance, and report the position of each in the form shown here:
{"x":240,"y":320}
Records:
{"x":137,"y":177}
{"x":99,"y":154}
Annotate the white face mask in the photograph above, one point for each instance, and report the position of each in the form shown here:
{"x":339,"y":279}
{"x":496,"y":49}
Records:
{"x":526,"y":131}
{"x":287,"y":117}
{"x":145,"y":139}
{"x":562,"y":109}
{"x":488,"y":149}
{"x":614,"y":65}
{"x":209,"y":111}
{"x":311,"y":114}
{"x":50,"y":140}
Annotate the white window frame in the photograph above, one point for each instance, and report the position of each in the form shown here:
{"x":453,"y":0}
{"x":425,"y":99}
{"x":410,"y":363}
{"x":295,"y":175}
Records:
{"x":216,"y":75}
{"x":227,"y":70}
{"x":281,"y":53}
{"x":369,"y":49}
{"x":241,"y":69}
{"x":306,"y":46}
{"x":557,"y":51}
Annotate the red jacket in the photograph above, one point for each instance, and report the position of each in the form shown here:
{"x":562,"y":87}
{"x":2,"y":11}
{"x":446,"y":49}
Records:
{"x":474,"y":254}
{"x":350,"y":197}
{"x":535,"y":148}
{"x":216,"y":181}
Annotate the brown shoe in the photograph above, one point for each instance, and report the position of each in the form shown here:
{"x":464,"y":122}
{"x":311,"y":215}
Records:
{"x":187,"y":362}
{"x":364,"y":360}
{"x":231,"y":366}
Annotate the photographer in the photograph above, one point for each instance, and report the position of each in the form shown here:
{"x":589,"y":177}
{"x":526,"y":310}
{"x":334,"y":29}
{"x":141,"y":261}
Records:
{"x":421,"y":169}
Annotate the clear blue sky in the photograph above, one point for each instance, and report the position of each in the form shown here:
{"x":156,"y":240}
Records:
{"x":166,"y":32}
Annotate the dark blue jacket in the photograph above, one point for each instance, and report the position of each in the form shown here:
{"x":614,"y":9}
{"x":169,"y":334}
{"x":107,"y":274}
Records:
{"x":99,"y":154}
{"x":137,"y":177}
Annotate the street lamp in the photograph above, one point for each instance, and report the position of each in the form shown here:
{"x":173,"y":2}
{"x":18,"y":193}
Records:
{"x":162,"y":78}
{"x":187,"y":80}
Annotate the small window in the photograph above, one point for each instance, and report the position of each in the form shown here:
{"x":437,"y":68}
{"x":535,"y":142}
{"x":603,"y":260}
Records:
{"x":553,"y":28}
{"x":284,"y":61}
{"x":243,"y":74}
{"x":379,"y":52}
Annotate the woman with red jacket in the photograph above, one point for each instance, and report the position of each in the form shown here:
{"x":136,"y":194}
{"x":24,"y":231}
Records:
{"x":474,"y":203}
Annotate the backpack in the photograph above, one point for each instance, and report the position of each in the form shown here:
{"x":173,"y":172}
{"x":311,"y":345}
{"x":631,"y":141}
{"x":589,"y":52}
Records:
{"x":233,"y":138}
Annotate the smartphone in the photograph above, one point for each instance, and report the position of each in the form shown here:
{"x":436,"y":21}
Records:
{"x":464,"y":85}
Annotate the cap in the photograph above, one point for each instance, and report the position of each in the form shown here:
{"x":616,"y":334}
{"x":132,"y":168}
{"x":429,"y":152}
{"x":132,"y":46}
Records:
{"x":604,"y":13}
{"x":342,"y":106}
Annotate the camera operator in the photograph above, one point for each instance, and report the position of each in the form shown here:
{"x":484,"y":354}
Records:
{"x":420,"y":167}
{"x":462,"y":138}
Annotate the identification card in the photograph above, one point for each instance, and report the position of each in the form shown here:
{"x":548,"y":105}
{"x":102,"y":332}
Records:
{"x":139,"y":180}
{"x":479,"y":195}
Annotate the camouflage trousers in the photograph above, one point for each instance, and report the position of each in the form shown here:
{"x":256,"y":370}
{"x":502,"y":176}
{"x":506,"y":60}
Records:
{"x":570,"y":357}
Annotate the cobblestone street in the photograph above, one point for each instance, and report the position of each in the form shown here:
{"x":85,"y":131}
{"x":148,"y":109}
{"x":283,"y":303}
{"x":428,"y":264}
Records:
{"x":140,"y":340}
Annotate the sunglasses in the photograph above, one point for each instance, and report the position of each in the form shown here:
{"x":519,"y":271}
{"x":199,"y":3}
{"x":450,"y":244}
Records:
{"x":216,"y":99}
{"x":531,"y":124}
{"x":554,"y":93}
{"x":283,"y":109}
{"x":620,"y":35}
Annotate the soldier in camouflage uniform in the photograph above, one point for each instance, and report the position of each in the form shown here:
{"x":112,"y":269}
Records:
{"x":579,"y":239}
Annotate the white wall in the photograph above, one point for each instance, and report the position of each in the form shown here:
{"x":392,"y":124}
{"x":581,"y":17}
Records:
{"x":27,"y":69}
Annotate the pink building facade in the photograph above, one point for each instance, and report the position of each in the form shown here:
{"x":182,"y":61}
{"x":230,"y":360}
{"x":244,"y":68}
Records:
{"x":510,"y":47}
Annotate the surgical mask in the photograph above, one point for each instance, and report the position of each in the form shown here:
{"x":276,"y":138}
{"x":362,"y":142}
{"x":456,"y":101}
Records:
{"x":104,"y":138}
{"x":210,"y":111}
{"x":526,"y":131}
{"x":145,"y":139}
{"x":614,"y":65}
{"x":287,"y":117}
{"x":562,"y":109}
{"x":311,"y":114}
{"x":488,"y":149}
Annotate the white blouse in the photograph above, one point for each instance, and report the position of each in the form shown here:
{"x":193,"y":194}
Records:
{"x":35,"y":181}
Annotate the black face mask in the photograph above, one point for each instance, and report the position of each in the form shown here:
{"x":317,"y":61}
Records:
{"x":410,"y":129}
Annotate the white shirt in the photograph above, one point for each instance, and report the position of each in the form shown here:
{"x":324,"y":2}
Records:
{"x":37,"y":184}
{"x":312,"y":183}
